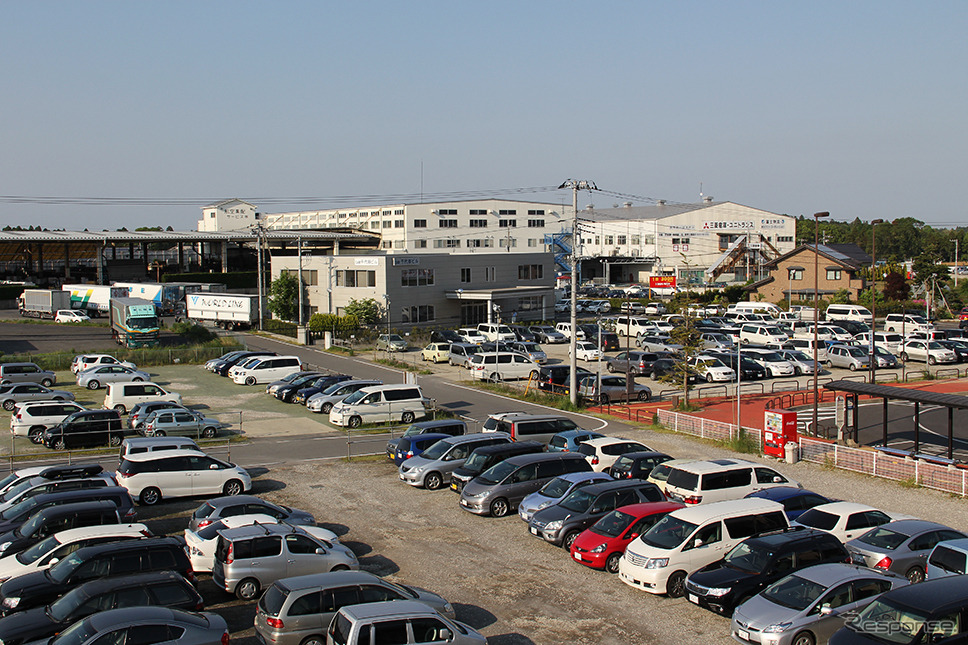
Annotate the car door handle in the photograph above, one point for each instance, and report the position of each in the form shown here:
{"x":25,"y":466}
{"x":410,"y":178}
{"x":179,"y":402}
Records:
{"x":290,"y":561}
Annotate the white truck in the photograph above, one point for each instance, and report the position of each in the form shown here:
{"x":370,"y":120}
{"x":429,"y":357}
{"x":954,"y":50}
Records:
{"x":95,"y":299}
{"x":226,"y":310}
{"x":42,"y":303}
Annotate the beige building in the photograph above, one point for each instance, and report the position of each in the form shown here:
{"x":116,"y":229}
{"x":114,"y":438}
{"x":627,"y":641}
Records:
{"x":791,"y":276}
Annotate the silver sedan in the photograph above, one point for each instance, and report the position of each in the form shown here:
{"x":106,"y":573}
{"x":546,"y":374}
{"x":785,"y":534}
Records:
{"x":606,"y":389}
{"x":15,"y":393}
{"x":95,"y":377}
{"x":902,"y":547}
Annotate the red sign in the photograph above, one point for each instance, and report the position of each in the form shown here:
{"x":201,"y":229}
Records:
{"x":662,"y":282}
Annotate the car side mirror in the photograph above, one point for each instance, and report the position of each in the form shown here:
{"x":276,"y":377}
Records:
{"x":827,"y":610}
{"x":54,"y":561}
{"x":778,"y":480}
{"x":697,"y":543}
{"x":444,"y":634}
{"x":213,"y":467}
{"x":320,"y":551}
{"x":631,"y":536}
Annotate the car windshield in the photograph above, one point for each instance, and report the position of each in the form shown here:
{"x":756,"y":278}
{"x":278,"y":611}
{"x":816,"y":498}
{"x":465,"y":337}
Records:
{"x":63,"y":569}
{"x":883,"y":538}
{"x":437,"y":450}
{"x":334,"y":387}
{"x":31,"y":526}
{"x":19,"y":510}
{"x":747,"y":557}
{"x":800,"y":356}
{"x":9,"y":479}
{"x":210,"y":532}
{"x":918,"y":319}
{"x":613,"y":524}
{"x":37,"y":551}
{"x":556,"y":488}
{"x":660,"y":473}
{"x":935,"y":345}
{"x":355,"y":397}
{"x":817,"y":519}
{"x":272,"y":600}
{"x":78,"y":633}
{"x":908,"y":623}
{"x":856,"y":352}
{"x":668,"y":533}
{"x":476,"y":462}
{"x":497,"y":473}
{"x":16,"y":490}
{"x":393,"y":338}
{"x":793,"y":592}
{"x":64,"y":607}
{"x":578,"y":502}
{"x":683,"y":479}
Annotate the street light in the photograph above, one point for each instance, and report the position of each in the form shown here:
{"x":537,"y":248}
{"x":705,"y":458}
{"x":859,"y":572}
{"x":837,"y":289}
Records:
{"x":874,"y":223}
{"x":816,"y":312}
{"x":387,"y":298}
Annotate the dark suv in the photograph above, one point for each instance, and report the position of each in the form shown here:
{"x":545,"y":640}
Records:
{"x":757,"y":562}
{"x":86,"y":428}
{"x":555,"y":378}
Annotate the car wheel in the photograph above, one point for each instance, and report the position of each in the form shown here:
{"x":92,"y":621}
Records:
{"x":150,"y":496}
{"x":610,"y":368}
{"x":209,"y":433}
{"x":830,"y":364}
{"x":250,"y":380}
{"x":654,"y":375}
{"x":500,"y":507}
{"x":326,"y":408}
{"x":120,"y":409}
{"x":313,"y":640}
{"x":643,"y":396}
{"x":932,"y":360}
{"x":58,"y":444}
{"x":93,"y":385}
{"x":355,"y":422}
{"x":115,"y":440}
{"x":36,"y":434}
{"x":852,"y":367}
{"x":915,"y":575}
{"x":248,"y":589}
{"x":803,"y":638}
{"x":904,"y":356}
{"x":232,"y":487}
{"x":407,"y":417}
{"x":568,"y":540}
{"x":158,"y":433}
{"x":709,"y":378}
{"x":47,"y":382}
{"x":340,"y":567}
{"x":612,"y":563}
{"x":137,"y":379}
{"x":433,"y":481}
{"x":676,"y":586}
{"x":9,"y":405}
{"x":603,"y":399}
{"x":494,"y":378}
{"x":534,"y":375}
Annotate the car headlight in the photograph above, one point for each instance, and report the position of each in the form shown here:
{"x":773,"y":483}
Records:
{"x":542,"y":505}
{"x":777,"y":628}
{"x":5,"y":546}
{"x":11,"y":602}
{"x":656,"y":563}
{"x":718,"y":591}
{"x":554,"y":525}
{"x":474,"y":495}
{"x":599,"y":549}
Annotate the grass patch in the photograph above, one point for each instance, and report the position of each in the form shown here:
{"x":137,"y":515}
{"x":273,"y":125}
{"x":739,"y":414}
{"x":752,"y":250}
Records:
{"x":682,"y":406}
{"x":910,"y":482}
{"x":927,"y":375}
{"x":142,"y":357}
{"x":401,"y":365}
{"x":743,"y":442}
{"x":345,"y":351}
{"x":540,"y":397}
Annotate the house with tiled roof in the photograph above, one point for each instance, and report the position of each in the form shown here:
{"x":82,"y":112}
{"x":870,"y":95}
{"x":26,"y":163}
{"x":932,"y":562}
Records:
{"x":792,"y":276}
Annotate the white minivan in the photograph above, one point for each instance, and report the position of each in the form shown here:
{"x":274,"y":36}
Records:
{"x":495,"y":332}
{"x":702,"y":482}
{"x":769,"y":335}
{"x":502,"y":366}
{"x":153,"y":476}
{"x":380,"y":404}
{"x":688,"y":539}
{"x":848,"y":312}
{"x":31,"y":418}
{"x":268,"y":369}
{"x":124,"y":396}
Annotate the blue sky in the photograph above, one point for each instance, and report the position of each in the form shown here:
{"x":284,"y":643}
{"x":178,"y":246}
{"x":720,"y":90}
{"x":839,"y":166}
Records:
{"x":857,"y":108}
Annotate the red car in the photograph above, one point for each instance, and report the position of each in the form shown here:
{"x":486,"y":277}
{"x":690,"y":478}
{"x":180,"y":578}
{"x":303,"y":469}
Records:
{"x":602,"y":545}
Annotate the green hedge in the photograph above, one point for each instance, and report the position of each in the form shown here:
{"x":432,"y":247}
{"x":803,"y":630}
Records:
{"x":233,"y":280}
{"x":141,"y":357}
{"x":281,"y":327}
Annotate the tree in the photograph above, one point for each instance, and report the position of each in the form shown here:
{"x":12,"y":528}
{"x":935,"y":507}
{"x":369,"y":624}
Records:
{"x":367,"y":311}
{"x":689,"y":337}
{"x":896,"y":287}
{"x":284,"y":296}
{"x":926,"y":268}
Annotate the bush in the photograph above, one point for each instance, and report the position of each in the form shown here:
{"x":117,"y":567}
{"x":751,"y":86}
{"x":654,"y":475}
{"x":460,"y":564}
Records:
{"x":193,"y":333}
{"x":280,"y":327}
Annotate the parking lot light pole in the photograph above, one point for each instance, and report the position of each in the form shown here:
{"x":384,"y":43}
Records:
{"x":816,"y":314}
{"x":873,"y":357}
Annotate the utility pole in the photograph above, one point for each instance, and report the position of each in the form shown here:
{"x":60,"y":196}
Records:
{"x":956,"y":262}
{"x":575,"y":185}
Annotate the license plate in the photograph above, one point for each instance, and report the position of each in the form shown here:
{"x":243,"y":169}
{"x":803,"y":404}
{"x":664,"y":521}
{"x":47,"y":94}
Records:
{"x":463,"y":502}
{"x":454,"y":485}
{"x":401,"y":477}
{"x":577,"y":556}
{"x":742,"y":633}
{"x":534,"y":531}
{"x":693,"y":598}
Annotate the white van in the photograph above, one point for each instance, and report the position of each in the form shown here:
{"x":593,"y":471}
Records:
{"x":767,"y":308}
{"x":502,"y":366}
{"x":805,"y":345}
{"x":268,"y":369}
{"x":124,"y":396}
{"x":702,"y":482}
{"x":495,"y":332}
{"x":688,"y":539}
{"x":380,"y":404}
{"x":564,"y":328}
{"x":31,"y":418}
{"x":634,"y":326}
{"x":754,"y":334}
{"x":848,"y":312}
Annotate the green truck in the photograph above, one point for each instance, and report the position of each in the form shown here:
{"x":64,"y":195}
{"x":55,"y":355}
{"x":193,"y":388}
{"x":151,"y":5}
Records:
{"x":134,"y":322}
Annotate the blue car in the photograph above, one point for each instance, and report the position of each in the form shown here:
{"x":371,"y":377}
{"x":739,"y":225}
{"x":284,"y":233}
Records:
{"x":568,"y":440}
{"x":315,"y":387}
{"x":412,"y":446}
{"x":795,"y":500}
{"x":556,"y":490}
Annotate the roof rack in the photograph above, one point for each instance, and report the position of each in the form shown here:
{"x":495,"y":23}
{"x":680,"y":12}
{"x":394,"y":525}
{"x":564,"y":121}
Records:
{"x":71,"y":471}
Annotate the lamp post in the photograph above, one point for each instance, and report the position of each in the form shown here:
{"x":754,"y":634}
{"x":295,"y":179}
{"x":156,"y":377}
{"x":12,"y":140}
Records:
{"x":874,"y":223}
{"x":387,"y":298}
{"x":816,"y":313}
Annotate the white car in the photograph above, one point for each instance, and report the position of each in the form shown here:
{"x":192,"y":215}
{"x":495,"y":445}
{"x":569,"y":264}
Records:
{"x":71,"y":316}
{"x":56,"y":547}
{"x":160,"y":474}
{"x":771,"y":361}
{"x":602,"y":452}
{"x":802,"y":364}
{"x":837,"y":332}
{"x":83,"y":362}
{"x":929,"y":351}
{"x":471,"y":335}
{"x":889,"y":341}
{"x":200,"y":545}
{"x":585,"y":351}
{"x":712,"y":369}
{"x":846,"y":520}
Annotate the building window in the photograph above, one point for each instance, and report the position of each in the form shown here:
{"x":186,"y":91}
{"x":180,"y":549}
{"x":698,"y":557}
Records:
{"x":650,"y":239}
{"x":447,"y":223}
{"x":598,"y":240}
{"x":399,"y":223}
{"x":488,"y":274}
{"x":784,"y":238}
{"x":420,"y":244}
{"x":531,"y":303}
{"x":795,"y":274}
{"x":680,"y":240}
{"x":476,"y":244}
{"x":387,"y":213}
{"x":420,"y":223}
{"x":478,"y":223}
{"x":833,"y":274}
{"x":508,"y":212}
{"x":372,"y":224}
{"x":506,"y":242}
{"x":447,"y":244}
{"x":478,"y":211}
{"x":387,"y":224}
{"x":530,"y":271}
{"x":352,"y":278}
{"x":398,"y":244}
{"x":536,"y":212}
{"x":416,"y":277}
{"x":507,"y":223}
{"x":533,"y":241}
{"x":622,"y":240}
{"x":465,"y":275}
{"x":609,"y":240}
{"x":386,"y":244}
{"x":309,"y":276}
{"x":447,"y":211}
{"x":418,"y":314}
{"x":398,"y":211}
{"x":535,"y":223}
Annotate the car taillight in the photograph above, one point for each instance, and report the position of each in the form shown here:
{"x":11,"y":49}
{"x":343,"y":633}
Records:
{"x":200,"y":606}
{"x":123,"y":474}
{"x":204,"y":523}
{"x":130,"y":515}
{"x":190,"y":575}
{"x":409,"y":454}
{"x":225,"y":638}
{"x":146,"y":533}
{"x":885,"y":563}
{"x":229,"y":559}
{"x":595,"y":460}
{"x":692,"y":499}
{"x":274,"y":622}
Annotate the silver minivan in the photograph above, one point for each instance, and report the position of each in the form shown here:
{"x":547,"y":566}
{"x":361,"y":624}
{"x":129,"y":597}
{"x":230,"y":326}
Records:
{"x":433,"y":466}
{"x":250,"y":558}
{"x":397,"y":621}
{"x":298,"y":610}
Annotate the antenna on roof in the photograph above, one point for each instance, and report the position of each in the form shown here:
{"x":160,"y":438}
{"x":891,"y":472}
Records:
{"x":700,"y":191}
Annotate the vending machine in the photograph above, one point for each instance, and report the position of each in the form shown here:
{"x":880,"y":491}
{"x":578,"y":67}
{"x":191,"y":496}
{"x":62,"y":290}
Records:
{"x":779,"y":428}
